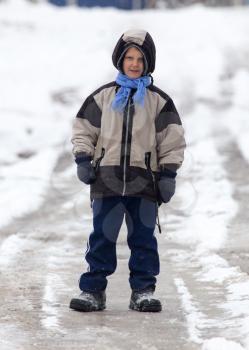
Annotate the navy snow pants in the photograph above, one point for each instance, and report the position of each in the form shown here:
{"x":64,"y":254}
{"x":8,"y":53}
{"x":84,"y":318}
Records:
{"x":140,"y":217}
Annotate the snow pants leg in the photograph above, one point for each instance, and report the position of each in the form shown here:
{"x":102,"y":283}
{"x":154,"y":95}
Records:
{"x":144,"y":259}
{"x":108,"y":214}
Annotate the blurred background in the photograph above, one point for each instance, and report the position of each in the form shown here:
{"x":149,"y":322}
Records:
{"x":55,"y":53}
{"x":143,"y":4}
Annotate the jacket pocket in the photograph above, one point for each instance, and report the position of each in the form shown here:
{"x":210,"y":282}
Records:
{"x":147,"y":160}
{"x":153,"y":175}
{"x":98,"y":160}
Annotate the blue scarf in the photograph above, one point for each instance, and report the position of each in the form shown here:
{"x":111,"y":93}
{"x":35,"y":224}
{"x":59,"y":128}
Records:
{"x":126,"y":83}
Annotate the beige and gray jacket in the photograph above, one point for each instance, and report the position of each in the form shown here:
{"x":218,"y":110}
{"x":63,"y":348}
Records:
{"x":129,"y":148}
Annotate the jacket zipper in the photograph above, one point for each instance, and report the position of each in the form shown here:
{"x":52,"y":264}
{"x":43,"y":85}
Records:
{"x":125,"y":151}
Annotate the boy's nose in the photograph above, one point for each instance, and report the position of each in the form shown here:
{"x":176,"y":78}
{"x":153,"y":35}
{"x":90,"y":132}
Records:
{"x":135,"y":63}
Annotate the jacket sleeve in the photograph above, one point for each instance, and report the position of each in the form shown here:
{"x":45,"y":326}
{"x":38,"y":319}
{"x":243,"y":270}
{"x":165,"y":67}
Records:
{"x":170,"y":137}
{"x":86,"y":127}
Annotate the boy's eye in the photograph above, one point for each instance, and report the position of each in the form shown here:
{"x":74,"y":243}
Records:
{"x":140,"y":59}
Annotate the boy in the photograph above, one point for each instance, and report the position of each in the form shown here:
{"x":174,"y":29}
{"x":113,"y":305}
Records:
{"x":128,"y":144}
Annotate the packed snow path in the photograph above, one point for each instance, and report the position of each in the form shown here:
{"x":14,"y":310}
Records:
{"x":45,"y":211}
{"x":205,"y":299}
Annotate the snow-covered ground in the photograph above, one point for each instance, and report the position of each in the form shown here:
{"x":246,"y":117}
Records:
{"x":52,"y":58}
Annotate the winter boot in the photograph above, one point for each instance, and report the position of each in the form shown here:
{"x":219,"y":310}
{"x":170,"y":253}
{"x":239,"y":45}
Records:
{"x":143,"y":301}
{"x":89,"y":301}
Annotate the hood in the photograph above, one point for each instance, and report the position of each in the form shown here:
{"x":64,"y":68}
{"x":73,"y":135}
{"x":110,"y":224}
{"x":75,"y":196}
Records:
{"x":142,"y":41}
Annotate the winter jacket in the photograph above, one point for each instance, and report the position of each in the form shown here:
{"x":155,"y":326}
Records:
{"x":129,"y":148}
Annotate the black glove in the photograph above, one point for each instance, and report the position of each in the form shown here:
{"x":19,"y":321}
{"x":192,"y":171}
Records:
{"x":85,"y":170}
{"x":167,"y":185}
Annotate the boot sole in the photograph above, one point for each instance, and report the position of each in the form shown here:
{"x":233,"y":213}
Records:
{"x":147,"y":306}
{"x":83,"y":306}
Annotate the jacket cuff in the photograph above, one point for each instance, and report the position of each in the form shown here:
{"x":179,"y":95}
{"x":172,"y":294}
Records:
{"x":168,"y":170}
{"x":82,"y":157}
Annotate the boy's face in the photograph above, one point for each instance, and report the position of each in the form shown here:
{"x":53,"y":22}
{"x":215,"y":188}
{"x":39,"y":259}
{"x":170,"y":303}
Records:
{"x":133,"y":63}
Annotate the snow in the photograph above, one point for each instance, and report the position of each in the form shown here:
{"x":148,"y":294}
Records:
{"x":210,"y":205}
{"x":10,"y":248}
{"x":49,"y":308}
{"x":239,"y":110}
{"x":221,"y":344}
{"x":51,"y":59}
{"x":217,"y":271}
{"x":193,"y":315}
{"x":25,"y":183}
